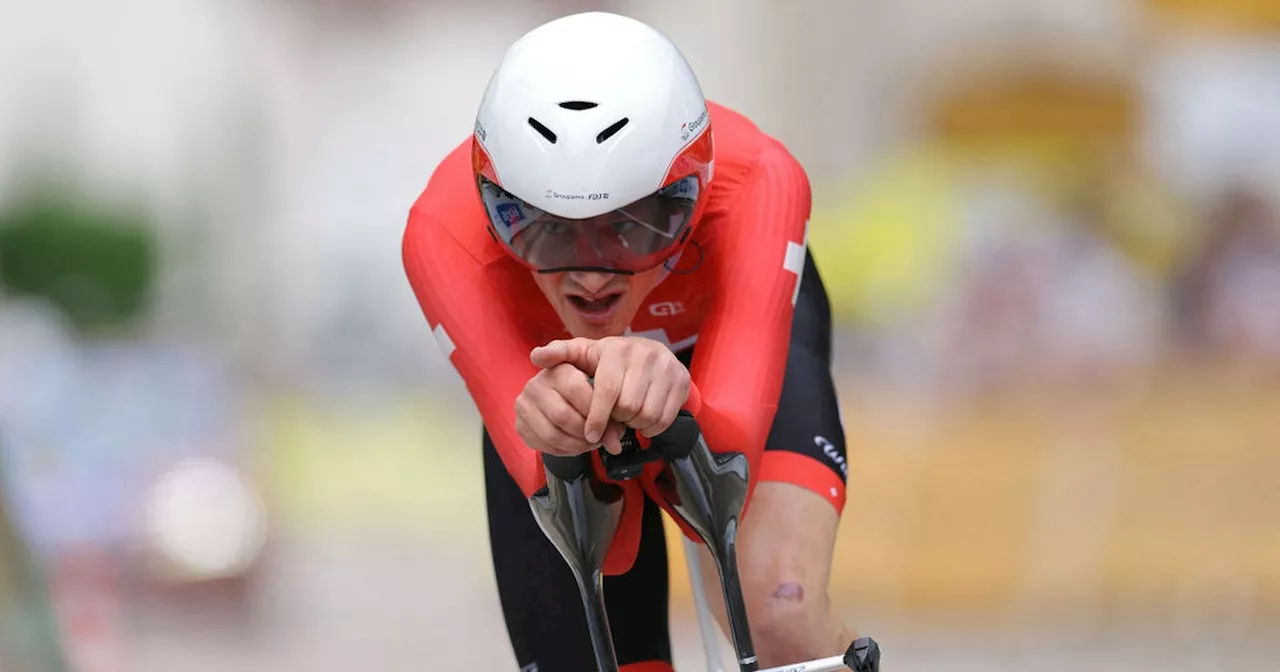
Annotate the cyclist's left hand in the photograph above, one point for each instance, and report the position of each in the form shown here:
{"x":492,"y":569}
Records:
{"x":637,"y":381}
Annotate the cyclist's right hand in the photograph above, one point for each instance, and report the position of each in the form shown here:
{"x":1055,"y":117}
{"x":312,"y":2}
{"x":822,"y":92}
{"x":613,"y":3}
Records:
{"x":551,"y":412}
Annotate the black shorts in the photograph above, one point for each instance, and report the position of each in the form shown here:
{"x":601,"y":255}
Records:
{"x":540,"y":602}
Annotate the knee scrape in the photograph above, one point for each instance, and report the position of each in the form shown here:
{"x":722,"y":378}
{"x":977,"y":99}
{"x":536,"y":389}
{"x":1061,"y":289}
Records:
{"x":790,"y":591}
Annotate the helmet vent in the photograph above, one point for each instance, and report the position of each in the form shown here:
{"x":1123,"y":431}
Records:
{"x":613,"y":128}
{"x":543,"y":130}
{"x":577,"y":105}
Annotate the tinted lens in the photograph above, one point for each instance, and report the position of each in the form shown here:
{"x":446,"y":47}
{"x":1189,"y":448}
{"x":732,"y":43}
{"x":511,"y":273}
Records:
{"x":631,"y":238}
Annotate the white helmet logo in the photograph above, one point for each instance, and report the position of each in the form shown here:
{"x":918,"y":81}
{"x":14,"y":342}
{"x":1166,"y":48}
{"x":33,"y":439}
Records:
{"x":689,"y":129}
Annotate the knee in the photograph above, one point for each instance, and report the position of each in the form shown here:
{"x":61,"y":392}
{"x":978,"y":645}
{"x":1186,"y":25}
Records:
{"x":785,"y":562}
{"x":790,"y":618}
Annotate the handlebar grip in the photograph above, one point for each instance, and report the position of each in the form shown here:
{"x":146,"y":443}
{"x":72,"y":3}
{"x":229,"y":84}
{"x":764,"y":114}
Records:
{"x":863,"y":655}
{"x":679,"y":439}
{"x":568,"y":468}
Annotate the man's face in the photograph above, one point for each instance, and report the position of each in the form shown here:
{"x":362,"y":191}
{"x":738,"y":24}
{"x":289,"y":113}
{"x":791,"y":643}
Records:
{"x":596,"y":305}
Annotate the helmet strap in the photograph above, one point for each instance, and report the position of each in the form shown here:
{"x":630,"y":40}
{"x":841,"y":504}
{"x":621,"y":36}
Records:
{"x":669,"y":264}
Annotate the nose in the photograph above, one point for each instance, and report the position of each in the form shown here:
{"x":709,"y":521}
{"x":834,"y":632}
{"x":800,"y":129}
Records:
{"x":590,"y":281}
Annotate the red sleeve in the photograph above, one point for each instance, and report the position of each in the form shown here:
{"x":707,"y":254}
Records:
{"x":756,"y":259}
{"x":466,"y":305}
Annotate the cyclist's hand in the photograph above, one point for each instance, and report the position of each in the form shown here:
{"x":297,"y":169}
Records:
{"x":551,"y":411}
{"x":638,"y":382}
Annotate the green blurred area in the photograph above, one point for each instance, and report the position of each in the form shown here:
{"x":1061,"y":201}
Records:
{"x":95,"y":261}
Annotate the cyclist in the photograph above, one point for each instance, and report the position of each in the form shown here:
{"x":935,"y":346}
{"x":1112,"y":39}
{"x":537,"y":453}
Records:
{"x":601,"y":220}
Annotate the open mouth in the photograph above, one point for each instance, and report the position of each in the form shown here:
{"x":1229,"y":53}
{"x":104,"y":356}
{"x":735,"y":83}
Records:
{"x":599,"y":305}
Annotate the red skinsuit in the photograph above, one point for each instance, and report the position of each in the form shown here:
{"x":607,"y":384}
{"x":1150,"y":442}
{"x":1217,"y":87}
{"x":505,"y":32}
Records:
{"x":487,"y":314}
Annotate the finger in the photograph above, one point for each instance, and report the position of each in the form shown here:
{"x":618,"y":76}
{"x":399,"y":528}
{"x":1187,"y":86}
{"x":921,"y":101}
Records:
{"x":649,"y":418}
{"x":582,"y":353}
{"x":547,"y":356}
{"x":526,"y":434}
{"x":613,"y":437}
{"x":606,"y":388}
{"x":635,"y":387}
{"x":674,"y":401}
{"x":564,"y":416}
{"x":574,"y":386}
{"x":550,"y":438}
{"x":525,"y":409}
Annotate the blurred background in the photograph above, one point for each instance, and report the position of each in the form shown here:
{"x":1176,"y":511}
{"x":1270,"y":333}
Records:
{"x":1051,"y":233}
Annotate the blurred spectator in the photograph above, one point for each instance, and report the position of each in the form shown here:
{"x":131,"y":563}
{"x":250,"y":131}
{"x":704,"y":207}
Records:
{"x":1230,"y":291}
{"x":1042,"y":297}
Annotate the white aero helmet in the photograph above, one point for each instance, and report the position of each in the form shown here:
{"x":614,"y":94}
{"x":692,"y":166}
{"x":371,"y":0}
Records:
{"x":592,"y":146}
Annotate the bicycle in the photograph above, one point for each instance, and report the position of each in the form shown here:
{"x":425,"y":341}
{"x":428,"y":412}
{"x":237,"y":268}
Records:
{"x":579,"y":513}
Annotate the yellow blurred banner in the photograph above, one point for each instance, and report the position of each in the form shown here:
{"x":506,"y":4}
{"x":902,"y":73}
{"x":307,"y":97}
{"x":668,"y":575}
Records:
{"x":885,"y":244}
{"x":882,"y":246}
{"x":1034,"y":106}
{"x":1160,"y":500}
{"x":411,"y":465}
{"x":1235,"y":15}
{"x":1161,"y":504}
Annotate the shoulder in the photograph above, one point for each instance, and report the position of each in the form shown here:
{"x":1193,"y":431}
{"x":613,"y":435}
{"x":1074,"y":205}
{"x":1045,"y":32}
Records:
{"x":738,"y":143}
{"x":452,"y":263}
{"x":447,"y":215}
{"x":748,"y":160}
